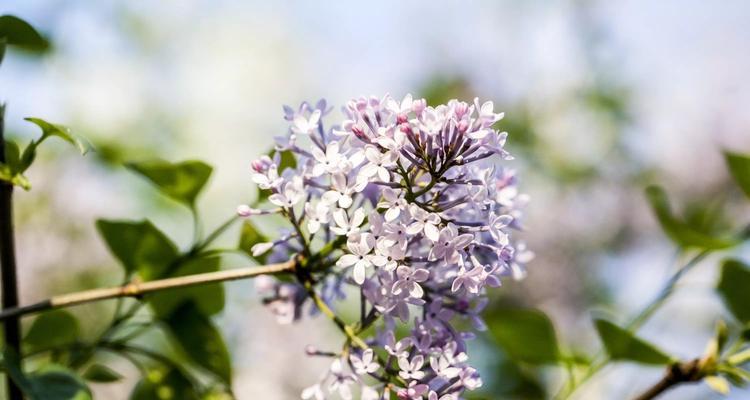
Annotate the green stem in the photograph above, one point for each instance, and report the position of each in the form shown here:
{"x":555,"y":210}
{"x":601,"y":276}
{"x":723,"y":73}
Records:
{"x":600,"y":359}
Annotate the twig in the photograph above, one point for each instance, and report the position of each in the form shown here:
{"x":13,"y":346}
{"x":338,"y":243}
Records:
{"x":687,"y":372}
{"x":8,"y":263}
{"x":135,"y":289}
{"x":600,"y":358}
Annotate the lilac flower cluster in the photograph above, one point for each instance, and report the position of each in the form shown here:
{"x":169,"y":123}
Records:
{"x":405,"y":204}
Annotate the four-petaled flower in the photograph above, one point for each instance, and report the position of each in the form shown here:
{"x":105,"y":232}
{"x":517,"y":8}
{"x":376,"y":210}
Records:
{"x":365,"y":364}
{"x":450,"y":244}
{"x":411,"y":369}
{"x":305,"y":126}
{"x":290,"y":194}
{"x":408,"y":280}
{"x":346,"y":226}
{"x":360,"y":257}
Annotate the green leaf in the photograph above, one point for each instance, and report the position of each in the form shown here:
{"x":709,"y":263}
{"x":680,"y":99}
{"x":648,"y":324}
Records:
{"x":101,"y":374}
{"x":160,"y":385}
{"x":734,"y":288}
{"x":209,"y":299}
{"x":20,"y":33}
{"x":526,"y":335}
{"x":623,"y":345}
{"x":63,"y":132}
{"x":249,"y":237}
{"x":3,"y":44}
{"x":12,"y":155}
{"x":12,"y":169}
{"x":739,"y":167}
{"x":200,"y":340}
{"x":180,"y":181}
{"x":139,"y":246}
{"x":680,"y":232}
{"x":55,"y":382}
{"x":12,"y":366}
{"x":52,"y":329}
{"x":286,"y":160}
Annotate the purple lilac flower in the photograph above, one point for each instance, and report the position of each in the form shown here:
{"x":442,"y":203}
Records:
{"x":411,"y":206}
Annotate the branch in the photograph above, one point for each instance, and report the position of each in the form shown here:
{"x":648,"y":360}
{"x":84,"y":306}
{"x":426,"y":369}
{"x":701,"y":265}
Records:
{"x":135,"y":289}
{"x":686,"y":372}
{"x":9,"y":282}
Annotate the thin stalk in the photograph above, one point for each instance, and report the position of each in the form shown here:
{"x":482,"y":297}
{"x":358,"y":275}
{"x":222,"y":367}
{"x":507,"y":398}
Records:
{"x":8,"y":263}
{"x":136,"y":289}
{"x":600,"y":358}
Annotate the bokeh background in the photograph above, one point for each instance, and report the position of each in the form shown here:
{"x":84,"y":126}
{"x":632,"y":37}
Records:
{"x":601,"y":99}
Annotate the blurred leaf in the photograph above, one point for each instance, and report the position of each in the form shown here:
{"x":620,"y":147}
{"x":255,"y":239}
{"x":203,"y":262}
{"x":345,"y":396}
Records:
{"x":734,"y":288}
{"x":209,"y":299}
{"x":49,"y":129}
{"x":55,"y":382}
{"x":12,"y":154}
{"x":507,"y":379}
{"x":286,"y":160}
{"x":717,"y":384}
{"x":249,"y":236}
{"x":526,"y":335}
{"x":11,"y":170}
{"x":439,"y":90}
{"x":680,"y":232}
{"x":739,"y":167}
{"x":18,"y":32}
{"x":180,"y":181}
{"x":161,"y":385}
{"x":12,"y":366}
{"x":139,"y":246}
{"x":200,"y":340}
{"x":52,"y":329}
{"x":101,"y":374}
{"x":623,"y":345}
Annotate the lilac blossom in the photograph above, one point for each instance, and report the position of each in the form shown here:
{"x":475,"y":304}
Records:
{"x":411,"y":207}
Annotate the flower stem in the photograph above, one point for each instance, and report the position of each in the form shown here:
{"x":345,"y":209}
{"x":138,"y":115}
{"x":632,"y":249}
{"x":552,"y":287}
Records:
{"x":136,"y":289}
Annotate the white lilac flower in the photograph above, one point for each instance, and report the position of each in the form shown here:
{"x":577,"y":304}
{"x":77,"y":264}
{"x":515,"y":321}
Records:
{"x":411,"y":369}
{"x":418,"y":206}
{"x":346,"y":226}
{"x":497,"y":223}
{"x":365,"y":364}
{"x":341,"y":381}
{"x":378,"y":163}
{"x":388,"y":254}
{"x":268,"y":179}
{"x":408,"y":281}
{"x":424,"y":221}
{"x":443,"y":367}
{"x":393,"y":203}
{"x":305,"y":126}
{"x":360,"y":247}
{"x":449,"y":245}
{"x":291,"y":193}
{"x":342,"y":190}
{"x":329,"y":162}
{"x":316,"y":216}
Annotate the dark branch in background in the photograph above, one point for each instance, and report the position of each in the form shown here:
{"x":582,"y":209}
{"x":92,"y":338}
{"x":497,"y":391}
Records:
{"x":136,"y":289}
{"x":8,"y":263}
{"x":687,"y":372}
